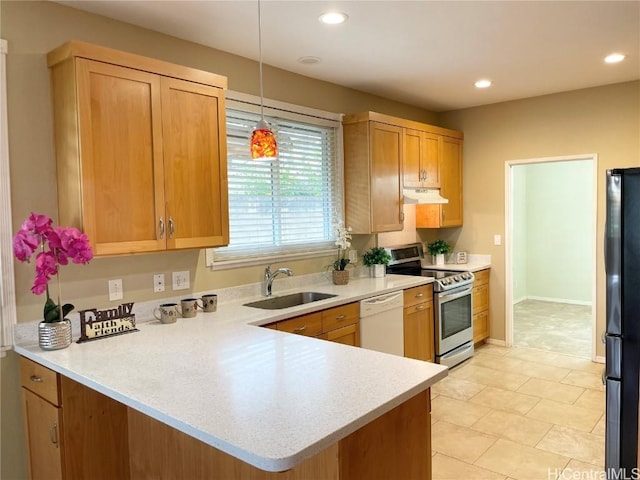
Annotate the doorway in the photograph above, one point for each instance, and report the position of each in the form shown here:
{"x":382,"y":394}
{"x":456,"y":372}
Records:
{"x":550,"y":254}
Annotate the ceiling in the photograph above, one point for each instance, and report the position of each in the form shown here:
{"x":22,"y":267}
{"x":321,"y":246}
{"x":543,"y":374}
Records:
{"x":425,"y":53}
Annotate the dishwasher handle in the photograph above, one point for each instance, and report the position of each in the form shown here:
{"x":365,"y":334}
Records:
{"x":381,"y":303}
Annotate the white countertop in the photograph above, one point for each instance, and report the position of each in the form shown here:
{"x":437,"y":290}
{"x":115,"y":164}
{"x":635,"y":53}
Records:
{"x":269,"y":398}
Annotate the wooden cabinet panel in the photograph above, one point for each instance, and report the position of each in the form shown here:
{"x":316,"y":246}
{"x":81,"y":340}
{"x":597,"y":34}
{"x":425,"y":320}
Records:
{"x":141,"y":154}
{"x":418,"y":332}
{"x":122,"y":172}
{"x":195,"y":162}
{"x":480,"y":297}
{"x":421,"y":159}
{"x":341,"y":316}
{"x":449,"y":214}
{"x":416,"y":295}
{"x":40,"y":380}
{"x":309,"y":325}
{"x":349,"y":335}
{"x":480,"y":326}
{"x":373,"y":156}
{"x":43,"y":426}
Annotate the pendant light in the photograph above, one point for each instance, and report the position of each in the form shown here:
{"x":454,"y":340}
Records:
{"x":263,"y":142}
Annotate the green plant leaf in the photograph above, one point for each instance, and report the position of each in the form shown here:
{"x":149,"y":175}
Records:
{"x":52,"y":311}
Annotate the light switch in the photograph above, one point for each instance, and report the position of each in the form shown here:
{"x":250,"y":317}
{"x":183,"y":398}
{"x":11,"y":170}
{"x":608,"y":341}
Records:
{"x":115,"y":289}
{"x":181,"y":280}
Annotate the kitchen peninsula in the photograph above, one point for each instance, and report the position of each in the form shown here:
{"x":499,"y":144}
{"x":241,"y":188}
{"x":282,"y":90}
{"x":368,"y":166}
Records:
{"x":218,"y":397}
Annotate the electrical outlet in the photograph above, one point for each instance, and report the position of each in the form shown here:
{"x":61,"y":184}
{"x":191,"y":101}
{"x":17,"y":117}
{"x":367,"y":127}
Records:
{"x":181,"y":280}
{"x":353,"y":256}
{"x":497,"y":239}
{"x":115,"y":290}
{"x":158,"y":282}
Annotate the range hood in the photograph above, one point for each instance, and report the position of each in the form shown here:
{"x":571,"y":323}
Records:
{"x":423,"y":196}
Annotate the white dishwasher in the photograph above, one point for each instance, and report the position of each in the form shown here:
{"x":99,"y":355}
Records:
{"x":381,"y":323}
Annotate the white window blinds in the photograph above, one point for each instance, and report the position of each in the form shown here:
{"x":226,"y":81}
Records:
{"x":289,"y":205}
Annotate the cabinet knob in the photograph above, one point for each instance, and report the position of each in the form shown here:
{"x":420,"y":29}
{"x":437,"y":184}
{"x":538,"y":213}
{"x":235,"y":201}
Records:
{"x":35,"y":378}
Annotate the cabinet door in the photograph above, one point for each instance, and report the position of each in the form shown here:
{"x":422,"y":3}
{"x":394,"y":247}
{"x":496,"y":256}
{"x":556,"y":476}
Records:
{"x":195,"y":162}
{"x":451,"y":182}
{"x":386,"y":158}
{"x":480,"y":326}
{"x":480,"y":298}
{"x":121,"y":171}
{"x":418,"y":332}
{"x":43,"y":427}
{"x":349,"y":335}
{"x":411,"y":159}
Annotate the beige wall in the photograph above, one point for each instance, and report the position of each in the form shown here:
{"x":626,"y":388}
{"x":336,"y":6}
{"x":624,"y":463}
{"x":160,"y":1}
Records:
{"x":34,"y":28}
{"x":603,"y":120}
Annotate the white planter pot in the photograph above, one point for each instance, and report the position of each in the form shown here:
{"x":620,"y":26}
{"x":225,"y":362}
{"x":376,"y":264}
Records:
{"x":378,"y":270}
{"x":438,"y":259}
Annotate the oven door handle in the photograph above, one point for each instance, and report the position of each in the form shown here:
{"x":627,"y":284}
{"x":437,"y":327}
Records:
{"x":444,"y":297}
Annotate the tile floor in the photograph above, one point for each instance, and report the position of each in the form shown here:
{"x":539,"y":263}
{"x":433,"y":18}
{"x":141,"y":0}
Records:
{"x":557,"y":327}
{"x":519,"y":414}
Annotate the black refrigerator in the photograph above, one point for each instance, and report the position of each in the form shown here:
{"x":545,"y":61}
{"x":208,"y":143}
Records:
{"x":622,"y":265}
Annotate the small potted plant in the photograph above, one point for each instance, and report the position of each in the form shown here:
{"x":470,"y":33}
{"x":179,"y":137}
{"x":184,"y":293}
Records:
{"x":377,"y":258}
{"x":343,"y":242}
{"x":438,"y":250}
{"x":55,"y":246}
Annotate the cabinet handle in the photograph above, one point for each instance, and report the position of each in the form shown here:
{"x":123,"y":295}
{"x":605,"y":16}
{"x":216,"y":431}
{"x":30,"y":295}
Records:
{"x":402,"y":216}
{"x":299,"y":329}
{"x":420,"y":307}
{"x":161,"y":225}
{"x":419,"y":295}
{"x":35,"y":378}
{"x":53,"y":434}
{"x":171,"y":227}
{"x":341,"y":317}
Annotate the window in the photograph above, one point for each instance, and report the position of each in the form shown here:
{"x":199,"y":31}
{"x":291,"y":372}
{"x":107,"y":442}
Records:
{"x":289,"y":206}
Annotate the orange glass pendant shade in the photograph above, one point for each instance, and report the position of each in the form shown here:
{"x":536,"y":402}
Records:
{"x":263,"y":143}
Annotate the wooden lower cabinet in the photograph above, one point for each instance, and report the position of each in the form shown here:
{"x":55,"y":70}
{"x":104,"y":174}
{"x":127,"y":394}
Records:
{"x":480,"y":298}
{"x":395,"y":445}
{"x":72,"y":432}
{"x":100,"y":438}
{"x":418,"y":323}
{"x":338,"y":324}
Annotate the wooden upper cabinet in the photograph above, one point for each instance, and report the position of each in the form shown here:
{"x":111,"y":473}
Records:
{"x":448,"y":214}
{"x":373,"y":165}
{"x":141,"y":150}
{"x":421,"y":159}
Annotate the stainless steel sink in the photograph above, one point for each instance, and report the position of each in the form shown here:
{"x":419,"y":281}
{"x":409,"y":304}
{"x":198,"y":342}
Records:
{"x":287,"y":301}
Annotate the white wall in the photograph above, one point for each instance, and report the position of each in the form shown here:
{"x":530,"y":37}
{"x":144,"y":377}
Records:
{"x":553,"y":230}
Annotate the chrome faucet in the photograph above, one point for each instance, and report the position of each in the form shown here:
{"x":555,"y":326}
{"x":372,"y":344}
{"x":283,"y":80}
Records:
{"x":270,"y":277}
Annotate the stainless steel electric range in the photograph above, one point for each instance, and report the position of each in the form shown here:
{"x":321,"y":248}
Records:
{"x":452,"y":303}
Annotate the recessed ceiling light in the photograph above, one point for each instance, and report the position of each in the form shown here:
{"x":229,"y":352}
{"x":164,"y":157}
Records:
{"x":309,"y":60}
{"x":333,"y":18}
{"x":483,"y":83}
{"x":614,"y":58}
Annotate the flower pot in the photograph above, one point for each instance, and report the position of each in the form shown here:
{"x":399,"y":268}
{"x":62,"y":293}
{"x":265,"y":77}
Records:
{"x":438,"y":259}
{"x":340,"y":277}
{"x":377,"y":270}
{"x":54,"y":335}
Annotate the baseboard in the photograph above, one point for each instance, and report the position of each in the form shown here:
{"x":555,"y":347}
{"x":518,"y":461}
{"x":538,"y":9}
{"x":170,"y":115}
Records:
{"x":557,"y":300}
{"x":493,"y":341}
{"x":521,"y":299}
{"x":599,"y":359}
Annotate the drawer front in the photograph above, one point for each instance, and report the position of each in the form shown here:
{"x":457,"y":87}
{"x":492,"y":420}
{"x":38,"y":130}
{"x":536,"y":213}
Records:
{"x":482,"y":277}
{"x":308,"y":325}
{"x":40,"y":380}
{"x":341,"y":316}
{"x":480,"y":326}
{"x":416,"y":295}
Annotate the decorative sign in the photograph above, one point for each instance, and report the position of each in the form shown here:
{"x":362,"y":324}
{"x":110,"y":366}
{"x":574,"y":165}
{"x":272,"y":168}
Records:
{"x":95,"y":324}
